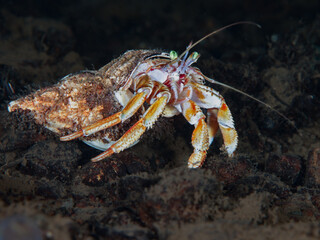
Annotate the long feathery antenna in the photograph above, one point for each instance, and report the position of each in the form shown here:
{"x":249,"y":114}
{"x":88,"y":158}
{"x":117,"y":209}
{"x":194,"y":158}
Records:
{"x":249,"y":96}
{"x":216,"y":31}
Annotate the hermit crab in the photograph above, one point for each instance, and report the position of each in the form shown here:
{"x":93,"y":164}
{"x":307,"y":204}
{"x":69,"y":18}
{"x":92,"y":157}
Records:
{"x":99,"y":106}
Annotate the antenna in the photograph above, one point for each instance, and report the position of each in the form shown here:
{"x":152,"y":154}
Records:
{"x":249,"y":96}
{"x":225,"y":85}
{"x":216,"y":31}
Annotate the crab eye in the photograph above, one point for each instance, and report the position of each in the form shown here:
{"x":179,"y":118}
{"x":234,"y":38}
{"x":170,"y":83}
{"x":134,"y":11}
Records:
{"x":173,"y":55}
{"x":195,"y":55}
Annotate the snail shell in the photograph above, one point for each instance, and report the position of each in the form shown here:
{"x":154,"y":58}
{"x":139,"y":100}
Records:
{"x":83,"y":98}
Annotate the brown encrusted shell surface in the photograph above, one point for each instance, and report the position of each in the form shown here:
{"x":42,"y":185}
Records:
{"x":81,"y":99}
{"x":120,"y":69}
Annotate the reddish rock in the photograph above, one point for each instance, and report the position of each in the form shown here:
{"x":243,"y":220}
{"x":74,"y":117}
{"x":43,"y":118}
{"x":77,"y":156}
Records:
{"x":287,"y":167}
{"x":119,"y":165}
{"x":230,"y":170}
{"x":313,"y":168}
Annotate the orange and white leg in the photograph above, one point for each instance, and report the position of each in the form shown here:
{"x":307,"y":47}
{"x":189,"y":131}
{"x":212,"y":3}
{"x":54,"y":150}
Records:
{"x":131,"y":108}
{"x":226,"y":125}
{"x":213,"y":125}
{"x":135,"y":132}
{"x":221,"y":118}
{"x":200,"y":135}
{"x":219,"y":115}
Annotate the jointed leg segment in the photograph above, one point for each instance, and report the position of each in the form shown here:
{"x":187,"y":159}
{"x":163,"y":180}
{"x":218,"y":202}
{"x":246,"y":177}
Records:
{"x":226,"y":125}
{"x":135,"y":132}
{"x":200,"y":143}
{"x":200,"y":137}
{"x":219,"y":116}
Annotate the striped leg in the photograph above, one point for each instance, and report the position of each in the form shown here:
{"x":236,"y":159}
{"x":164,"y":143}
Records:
{"x":226,"y":125}
{"x":200,"y":136}
{"x":212,"y":122}
{"x":135,"y":132}
{"x":219,"y":115}
{"x":222,"y":119}
{"x":131,"y":108}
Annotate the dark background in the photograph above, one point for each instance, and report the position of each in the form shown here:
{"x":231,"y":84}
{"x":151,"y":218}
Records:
{"x":104,"y":29}
{"x":269,"y":190}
